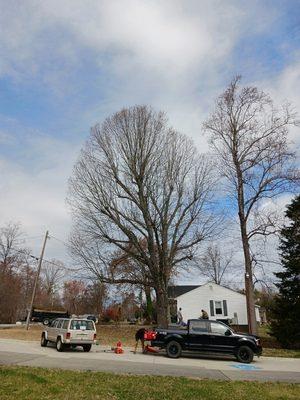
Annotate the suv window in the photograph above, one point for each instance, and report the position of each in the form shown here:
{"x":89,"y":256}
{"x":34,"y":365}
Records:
{"x":217,"y":328}
{"x":65,"y":324}
{"x":82,"y":324}
{"x":198,"y":326}
{"x":59,"y":323}
{"x":53,"y":323}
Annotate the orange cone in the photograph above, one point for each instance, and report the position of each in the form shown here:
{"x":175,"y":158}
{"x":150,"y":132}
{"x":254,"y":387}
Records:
{"x":118,"y":349}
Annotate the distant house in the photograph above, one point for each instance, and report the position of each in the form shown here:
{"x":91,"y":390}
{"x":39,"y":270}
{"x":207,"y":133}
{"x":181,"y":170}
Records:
{"x":218,"y":301}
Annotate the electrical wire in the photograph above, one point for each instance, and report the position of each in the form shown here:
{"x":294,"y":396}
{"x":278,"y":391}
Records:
{"x":63,"y":265}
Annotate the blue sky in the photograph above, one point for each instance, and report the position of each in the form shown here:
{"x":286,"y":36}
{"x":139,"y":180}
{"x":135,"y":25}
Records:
{"x":65,"y":66}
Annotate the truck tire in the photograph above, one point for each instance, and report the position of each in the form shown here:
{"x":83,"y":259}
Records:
{"x":59,"y":345}
{"x":46,"y":321}
{"x":44,"y":341}
{"x":245,"y":354}
{"x":87,"y":347}
{"x":174,"y":349}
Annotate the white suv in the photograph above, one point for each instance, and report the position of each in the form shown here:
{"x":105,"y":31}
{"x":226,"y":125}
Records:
{"x":70,"y":332}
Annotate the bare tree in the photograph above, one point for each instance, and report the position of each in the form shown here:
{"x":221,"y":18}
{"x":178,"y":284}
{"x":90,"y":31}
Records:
{"x":11,"y":252}
{"x":53,"y":273}
{"x":214,"y":265}
{"x":249,"y":137}
{"x":123,"y":264}
{"x":13,"y":261}
{"x":139,"y":180}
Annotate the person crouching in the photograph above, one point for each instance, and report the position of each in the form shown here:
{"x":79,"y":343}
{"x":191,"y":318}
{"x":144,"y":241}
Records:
{"x":139,"y":336}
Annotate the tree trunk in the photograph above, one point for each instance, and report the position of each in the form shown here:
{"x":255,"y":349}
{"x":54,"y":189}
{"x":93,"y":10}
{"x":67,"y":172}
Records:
{"x":252,"y":325}
{"x":162,"y":306}
{"x":149,"y":304}
{"x":245,"y":240}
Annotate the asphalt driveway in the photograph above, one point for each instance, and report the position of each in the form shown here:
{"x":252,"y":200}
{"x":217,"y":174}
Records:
{"x":22,"y":353}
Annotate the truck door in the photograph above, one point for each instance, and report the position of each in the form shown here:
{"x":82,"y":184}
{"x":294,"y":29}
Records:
{"x":220,"y":339}
{"x":198,"y":336}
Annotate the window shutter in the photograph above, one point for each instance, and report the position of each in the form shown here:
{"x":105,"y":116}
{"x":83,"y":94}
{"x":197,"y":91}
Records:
{"x":225,"y":308}
{"x":212,"y":311}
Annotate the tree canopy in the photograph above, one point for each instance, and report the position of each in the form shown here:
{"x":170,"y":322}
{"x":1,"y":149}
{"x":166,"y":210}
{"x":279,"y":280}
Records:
{"x":142,"y":188}
{"x":285,"y":323}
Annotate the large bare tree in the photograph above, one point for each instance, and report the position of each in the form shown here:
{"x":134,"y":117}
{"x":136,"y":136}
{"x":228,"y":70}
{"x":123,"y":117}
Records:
{"x":142,"y":188}
{"x":249,"y":137}
{"x":214,"y":264}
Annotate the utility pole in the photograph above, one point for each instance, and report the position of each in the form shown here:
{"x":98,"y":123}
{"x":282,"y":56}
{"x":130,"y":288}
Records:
{"x":36,"y":280}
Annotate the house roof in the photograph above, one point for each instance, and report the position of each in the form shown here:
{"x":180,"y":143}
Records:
{"x":175,"y":291}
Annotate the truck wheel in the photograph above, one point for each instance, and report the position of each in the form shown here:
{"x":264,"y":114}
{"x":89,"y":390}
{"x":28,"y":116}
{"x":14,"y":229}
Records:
{"x":59,"y":345}
{"x":245,"y":354}
{"x":174,"y":349}
{"x":44,"y":341}
{"x":46,"y":321}
{"x":87,"y":347}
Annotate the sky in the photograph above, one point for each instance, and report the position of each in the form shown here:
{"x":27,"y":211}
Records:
{"x":65,"y":66}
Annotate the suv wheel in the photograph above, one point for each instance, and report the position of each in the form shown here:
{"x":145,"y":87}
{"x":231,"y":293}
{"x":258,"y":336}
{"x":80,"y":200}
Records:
{"x":46,"y":321}
{"x":44,"y":341}
{"x":245,"y":354}
{"x":87,"y":347}
{"x":174,"y":349}
{"x":59,"y":345}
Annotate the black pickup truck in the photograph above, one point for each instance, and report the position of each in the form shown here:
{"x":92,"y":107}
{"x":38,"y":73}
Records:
{"x":207,"y":336}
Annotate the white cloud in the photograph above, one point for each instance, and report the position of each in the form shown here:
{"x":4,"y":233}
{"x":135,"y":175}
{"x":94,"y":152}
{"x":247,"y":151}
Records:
{"x":174,"y":55}
{"x":286,"y":88}
{"x":35,"y":191}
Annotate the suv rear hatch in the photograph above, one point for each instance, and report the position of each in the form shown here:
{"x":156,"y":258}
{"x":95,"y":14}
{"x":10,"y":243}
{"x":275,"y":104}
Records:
{"x":82,"y":330}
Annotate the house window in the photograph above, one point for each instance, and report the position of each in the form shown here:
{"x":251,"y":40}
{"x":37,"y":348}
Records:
{"x":218,"y":307}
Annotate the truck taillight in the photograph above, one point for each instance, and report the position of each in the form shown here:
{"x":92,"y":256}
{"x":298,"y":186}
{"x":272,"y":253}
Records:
{"x":95,"y":336}
{"x":68,"y":335}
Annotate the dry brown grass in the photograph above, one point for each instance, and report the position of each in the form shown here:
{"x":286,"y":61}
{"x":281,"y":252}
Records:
{"x":107,"y":334}
{"x":20,"y":333}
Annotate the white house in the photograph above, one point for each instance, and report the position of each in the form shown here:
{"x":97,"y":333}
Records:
{"x":218,"y":301}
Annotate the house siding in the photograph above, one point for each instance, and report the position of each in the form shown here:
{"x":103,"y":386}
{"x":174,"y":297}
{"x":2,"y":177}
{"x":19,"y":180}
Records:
{"x":202,"y":297}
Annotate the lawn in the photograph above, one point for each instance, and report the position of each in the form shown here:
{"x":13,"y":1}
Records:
{"x":36,"y":383}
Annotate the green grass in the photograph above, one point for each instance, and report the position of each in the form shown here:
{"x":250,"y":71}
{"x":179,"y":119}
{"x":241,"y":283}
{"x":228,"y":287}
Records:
{"x":35,"y":383}
{"x":281,"y":353}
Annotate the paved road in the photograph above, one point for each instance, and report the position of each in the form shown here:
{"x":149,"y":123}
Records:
{"x":15,"y":352}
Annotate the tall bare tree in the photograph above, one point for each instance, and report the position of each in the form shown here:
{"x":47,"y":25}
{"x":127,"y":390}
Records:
{"x":214,"y":265}
{"x":139,"y":180}
{"x":249,"y":137}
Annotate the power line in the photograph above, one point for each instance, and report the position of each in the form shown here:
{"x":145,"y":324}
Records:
{"x":63,"y":265}
{"x":59,"y":240}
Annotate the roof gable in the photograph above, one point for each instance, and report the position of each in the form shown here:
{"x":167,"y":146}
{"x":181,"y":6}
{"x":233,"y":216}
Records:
{"x":176,"y":291}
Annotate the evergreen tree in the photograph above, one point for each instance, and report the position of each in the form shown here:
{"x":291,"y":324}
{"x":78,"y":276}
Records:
{"x":285,"y":323}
